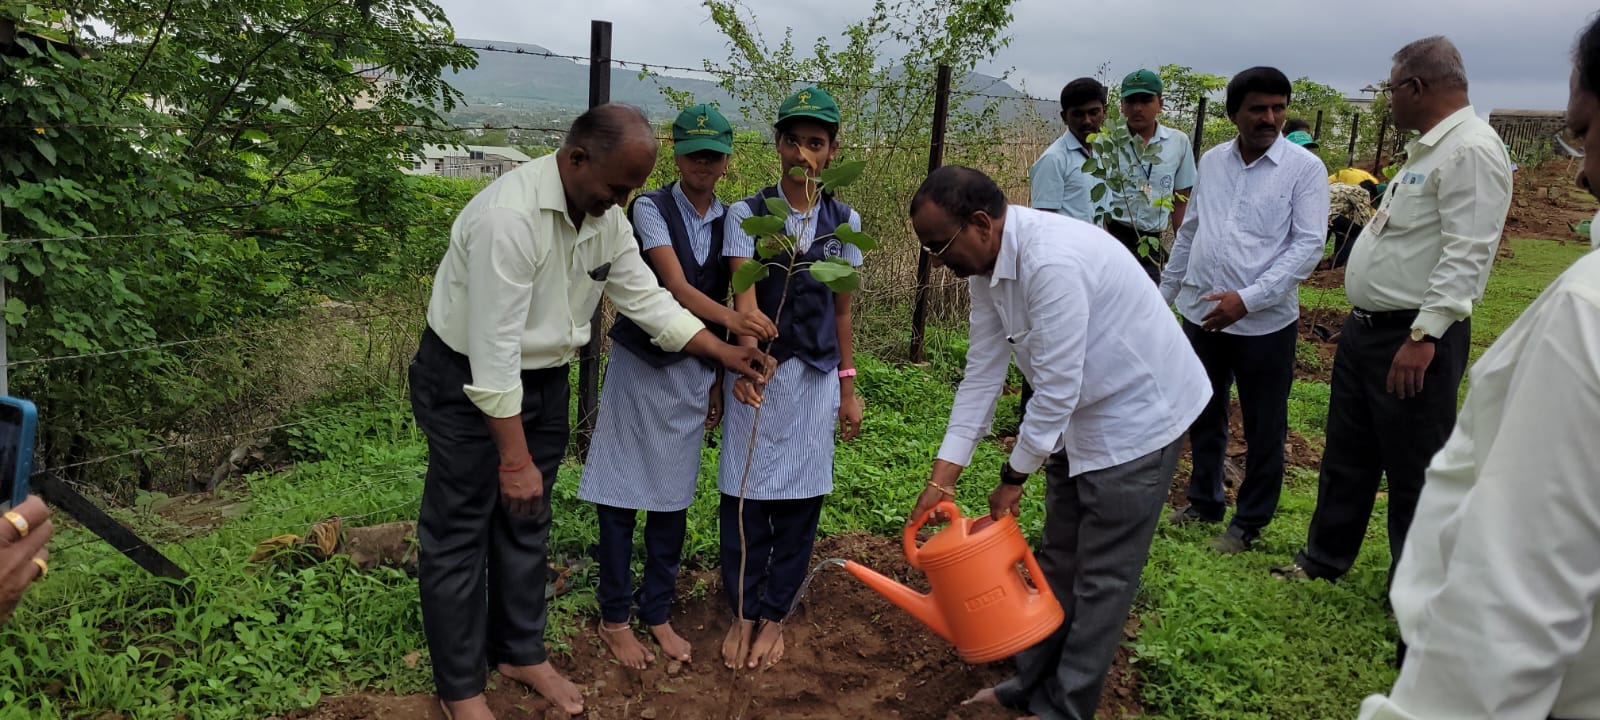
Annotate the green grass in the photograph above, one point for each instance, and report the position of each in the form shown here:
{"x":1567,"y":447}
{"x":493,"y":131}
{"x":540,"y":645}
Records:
{"x":1220,"y":639}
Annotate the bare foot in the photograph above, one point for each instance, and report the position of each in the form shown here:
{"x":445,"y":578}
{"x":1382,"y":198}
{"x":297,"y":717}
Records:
{"x":985,"y":696}
{"x":768,"y":647}
{"x":671,"y":642}
{"x":624,"y":646}
{"x":544,"y":680}
{"x":736,"y":644}
{"x":472,"y":708}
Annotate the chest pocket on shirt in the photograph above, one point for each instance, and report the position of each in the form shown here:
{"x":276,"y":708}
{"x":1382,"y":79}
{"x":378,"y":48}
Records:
{"x":1410,"y":206}
{"x":1269,"y":216}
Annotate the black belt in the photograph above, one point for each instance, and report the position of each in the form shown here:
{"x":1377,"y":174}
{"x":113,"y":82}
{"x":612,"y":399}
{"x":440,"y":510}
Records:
{"x":1385,"y":318}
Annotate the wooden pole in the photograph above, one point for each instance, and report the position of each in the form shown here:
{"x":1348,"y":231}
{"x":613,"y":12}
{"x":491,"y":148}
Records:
{"x":589,"y":361}
{"x":919,"y":313}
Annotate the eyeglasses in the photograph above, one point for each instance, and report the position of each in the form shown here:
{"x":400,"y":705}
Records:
{"x":1388,"y":88}
{"x":940,"y":252}
{"x":1570,"y":142}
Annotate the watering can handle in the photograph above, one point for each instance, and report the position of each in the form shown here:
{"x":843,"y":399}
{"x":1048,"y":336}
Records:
{"x":911,"y":530}
{"x":1036,"y":573}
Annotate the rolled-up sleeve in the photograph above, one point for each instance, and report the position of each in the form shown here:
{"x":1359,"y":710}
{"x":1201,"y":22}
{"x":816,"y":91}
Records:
{"x":988,"y":356}
{"x":1474,"y":195}
{"x":633,"y":288}
{"x":500,"y":269}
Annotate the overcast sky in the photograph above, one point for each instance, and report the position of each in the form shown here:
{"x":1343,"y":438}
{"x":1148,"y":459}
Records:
{"x":1516,"y":52}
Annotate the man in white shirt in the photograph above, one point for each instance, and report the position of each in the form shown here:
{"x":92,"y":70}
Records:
{"x":1413,"y":276}
{"x":1499,"y":586}
{"x":528,"y":260}
{"x":1134,"y":214}
{"x":1057,"y":181}
{"x":1115,"y":386}
{"x":1256,"y":226}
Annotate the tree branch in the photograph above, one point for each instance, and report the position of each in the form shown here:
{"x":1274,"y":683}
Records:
{"x":161,"y":28}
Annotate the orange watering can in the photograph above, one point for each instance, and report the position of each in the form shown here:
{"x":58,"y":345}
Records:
{"x":980,"y":601}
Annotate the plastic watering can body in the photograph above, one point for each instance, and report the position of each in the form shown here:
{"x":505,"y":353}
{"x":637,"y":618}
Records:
{"x":979,"y":599}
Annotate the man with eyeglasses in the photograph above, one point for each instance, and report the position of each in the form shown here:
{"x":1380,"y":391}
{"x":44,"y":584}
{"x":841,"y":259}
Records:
{"x":1116,"y":384}
{"x":1412,"y":279}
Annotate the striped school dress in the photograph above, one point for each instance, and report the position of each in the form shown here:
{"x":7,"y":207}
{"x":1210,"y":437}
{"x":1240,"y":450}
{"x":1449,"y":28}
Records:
{"x":645,"y":452}
{"x":793,"y":456}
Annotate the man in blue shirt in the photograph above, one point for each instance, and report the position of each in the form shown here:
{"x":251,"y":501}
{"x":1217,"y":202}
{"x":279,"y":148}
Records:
{"x":1173,"y":176}
{"x":1057,"y":179}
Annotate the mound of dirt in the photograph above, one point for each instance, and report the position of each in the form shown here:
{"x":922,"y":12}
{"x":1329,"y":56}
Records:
{"x":850,"y":654}
{"x":1545,"y":199}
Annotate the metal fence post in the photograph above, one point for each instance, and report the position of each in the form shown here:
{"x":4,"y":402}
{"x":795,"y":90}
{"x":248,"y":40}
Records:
{"x":919,"y":313}
{"x":589,"y":361}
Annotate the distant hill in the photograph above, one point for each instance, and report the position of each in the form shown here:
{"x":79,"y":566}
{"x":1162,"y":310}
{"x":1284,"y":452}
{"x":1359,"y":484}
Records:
{"x":559,"y":88}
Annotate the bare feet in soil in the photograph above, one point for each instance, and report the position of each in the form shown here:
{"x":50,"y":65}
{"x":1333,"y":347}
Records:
{"x":736,"y":644}
{"x":624,"y":646}
{"x":768,"y":647}
{"x":544,"y":680}
{"x":472,"y":708}
{"x":671,"y":642}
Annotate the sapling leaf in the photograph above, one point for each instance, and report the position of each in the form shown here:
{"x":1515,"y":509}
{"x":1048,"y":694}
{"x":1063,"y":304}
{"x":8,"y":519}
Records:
{"x":773,"y":245}
{"x":837,"y":274}
{"x":762,"y":225}
{"x":750,"y":273}
{"x":842,"y":174}
{"x":778,"y":207}
{"x":861,"y":240}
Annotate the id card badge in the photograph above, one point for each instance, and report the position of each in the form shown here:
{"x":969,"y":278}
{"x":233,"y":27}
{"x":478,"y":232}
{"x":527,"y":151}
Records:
{"x":1379,"y":219}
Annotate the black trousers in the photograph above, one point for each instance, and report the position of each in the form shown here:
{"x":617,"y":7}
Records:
{"x":1129,"y":235}
{"x":1263,"y":368}
{"x":663,"y":547}
{"x":482,"y":571}
{"x":779,"y":535}
{"x":1372,"y":435}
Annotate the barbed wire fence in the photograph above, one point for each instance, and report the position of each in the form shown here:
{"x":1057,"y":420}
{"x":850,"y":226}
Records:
{"x":902,"y":278}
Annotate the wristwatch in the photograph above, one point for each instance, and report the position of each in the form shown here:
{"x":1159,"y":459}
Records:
{"x":1420,"y":335}
{"x":1010,"y":476}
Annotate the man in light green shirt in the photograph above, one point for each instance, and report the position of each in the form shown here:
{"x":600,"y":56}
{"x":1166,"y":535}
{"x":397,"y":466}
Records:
{"x":529,"y":258}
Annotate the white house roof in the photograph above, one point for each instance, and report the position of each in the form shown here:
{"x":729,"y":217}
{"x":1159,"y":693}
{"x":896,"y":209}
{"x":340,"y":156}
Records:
{"x":437,"y":152}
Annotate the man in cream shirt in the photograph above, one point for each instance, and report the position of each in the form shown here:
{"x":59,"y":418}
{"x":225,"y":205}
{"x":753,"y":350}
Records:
{"x":1498,"y":589}
{"x":528,"y":260}
{"x":1415,"y":272}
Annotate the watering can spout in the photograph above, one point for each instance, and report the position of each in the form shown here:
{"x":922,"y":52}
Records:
{"x":921,"y":607}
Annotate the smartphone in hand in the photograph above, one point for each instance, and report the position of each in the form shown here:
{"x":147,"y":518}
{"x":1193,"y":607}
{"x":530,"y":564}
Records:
{"x":18,"y":418}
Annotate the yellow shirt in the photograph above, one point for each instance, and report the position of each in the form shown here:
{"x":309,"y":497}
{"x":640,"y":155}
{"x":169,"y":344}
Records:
{"x":519,"y":284}
{"x":1352,"y":176}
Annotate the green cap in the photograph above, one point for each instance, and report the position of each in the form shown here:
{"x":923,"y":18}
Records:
{"x":1141,"y":81}
{"x":1303,"y":139}
{"x":812,"y":102}
{"x":701,"y":127}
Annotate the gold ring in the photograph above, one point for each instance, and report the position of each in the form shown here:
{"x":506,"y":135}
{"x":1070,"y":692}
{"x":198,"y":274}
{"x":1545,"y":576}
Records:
{"x":44,"y":567}
{"x":18,"y":521}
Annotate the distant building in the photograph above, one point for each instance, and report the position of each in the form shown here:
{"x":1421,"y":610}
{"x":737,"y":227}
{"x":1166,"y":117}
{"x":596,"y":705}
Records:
{"x":1530,"y":133}
{"x":468,"y":161}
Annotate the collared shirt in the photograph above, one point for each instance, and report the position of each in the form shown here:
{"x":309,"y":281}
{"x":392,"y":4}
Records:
{"x":799,"y":225}
{"x":1445,"y":210}
{"x":1258,"y":229}
{"x":1057,"y":181}
{"x":1175,"y":171}
{"x":519,"y":284}
{"x":652,"y":226}
{"x":1114,"y":378}
{"x":1498,"y":588}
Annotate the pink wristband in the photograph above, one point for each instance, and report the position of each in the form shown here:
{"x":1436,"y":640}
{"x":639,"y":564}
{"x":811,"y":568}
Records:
{"x":851,"y":372}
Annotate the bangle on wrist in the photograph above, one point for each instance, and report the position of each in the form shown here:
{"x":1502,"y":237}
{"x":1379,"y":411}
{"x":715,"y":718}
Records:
{"x":948,"y":491}
{"x":847,"y":373}
{"x":518,"y":467}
